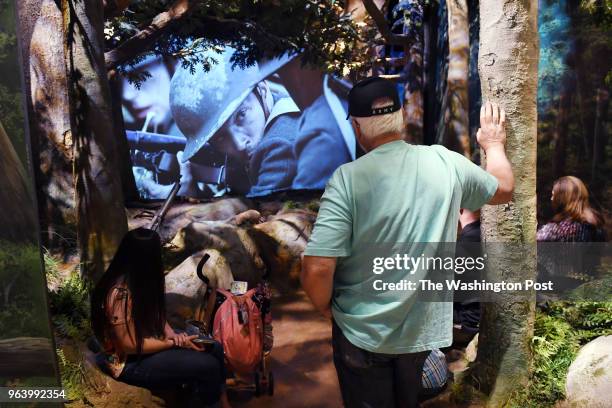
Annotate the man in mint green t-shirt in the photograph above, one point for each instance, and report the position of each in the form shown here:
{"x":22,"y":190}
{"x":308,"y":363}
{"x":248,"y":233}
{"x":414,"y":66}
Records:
{"x":395,"y":194}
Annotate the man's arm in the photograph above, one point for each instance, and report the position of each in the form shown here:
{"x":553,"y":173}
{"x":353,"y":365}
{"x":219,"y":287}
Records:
{"x":318,"y":281}
{"x":492,"y":138}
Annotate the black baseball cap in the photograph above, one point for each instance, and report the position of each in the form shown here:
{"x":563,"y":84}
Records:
{"x":364,"y":93}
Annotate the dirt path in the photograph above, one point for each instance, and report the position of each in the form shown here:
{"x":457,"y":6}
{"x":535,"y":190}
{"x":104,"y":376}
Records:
{"x":301,"y":359}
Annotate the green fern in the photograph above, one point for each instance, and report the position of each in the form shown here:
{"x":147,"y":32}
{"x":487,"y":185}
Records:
{"x":74,"y":377}
{"x":70,"y":308}
{"x":290,"y":205}
{"x":559,"y":332}
{"x":52,"y":266}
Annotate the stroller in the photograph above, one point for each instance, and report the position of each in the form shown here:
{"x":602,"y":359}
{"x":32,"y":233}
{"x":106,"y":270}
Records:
{"x":209,"y":328}
{"x":241,"y":321}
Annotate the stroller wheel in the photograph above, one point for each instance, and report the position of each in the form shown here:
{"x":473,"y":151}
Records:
{"x":270,"y":384}
{"x":257,"y":380}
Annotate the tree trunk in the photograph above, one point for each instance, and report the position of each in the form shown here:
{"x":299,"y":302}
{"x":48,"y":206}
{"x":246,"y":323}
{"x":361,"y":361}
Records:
{"x":474,"y":96}
{"x":100,"y":206}
{"x":413,"y":92}
{"x":458,"y":134}
{"x":560,"y":135}
{"x":508,"y":72}
{"x":74,"y":152}
{"x":17,"y":222}
{"x":600,"y":141}
{"x":357,"y":9}
{"x":42,"y":43}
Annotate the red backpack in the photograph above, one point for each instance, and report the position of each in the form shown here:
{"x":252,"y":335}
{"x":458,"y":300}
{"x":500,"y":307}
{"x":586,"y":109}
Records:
{"x":238,"y":326}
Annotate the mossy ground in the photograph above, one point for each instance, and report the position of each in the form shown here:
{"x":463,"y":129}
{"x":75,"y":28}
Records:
{"x":561,"y":330}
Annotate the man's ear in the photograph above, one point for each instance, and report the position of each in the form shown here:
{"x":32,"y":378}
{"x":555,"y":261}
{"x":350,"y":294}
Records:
{"x":358,"y":134}
{"x":356,"y":128}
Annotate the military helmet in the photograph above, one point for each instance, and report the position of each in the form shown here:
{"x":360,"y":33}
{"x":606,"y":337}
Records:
{"x":202,"y":101}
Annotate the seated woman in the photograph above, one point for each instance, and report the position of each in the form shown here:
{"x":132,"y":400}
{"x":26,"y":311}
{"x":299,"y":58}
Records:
{"x":574,"y":220}
{"x":129,"y":318}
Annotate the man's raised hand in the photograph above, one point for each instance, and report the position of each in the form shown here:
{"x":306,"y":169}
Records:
{"x":492,"y":132}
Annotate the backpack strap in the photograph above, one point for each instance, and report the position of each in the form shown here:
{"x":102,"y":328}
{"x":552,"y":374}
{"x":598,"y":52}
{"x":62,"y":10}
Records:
{"x":210,"y":307}
{"x":225,"y":293}
{"x":250,"y":293}
{"x":211,"y":296}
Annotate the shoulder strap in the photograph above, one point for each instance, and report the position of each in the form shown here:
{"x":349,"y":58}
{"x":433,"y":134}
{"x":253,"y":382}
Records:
{"x":250,"y":293}
{"x":225,"y":293}
{"x":211,"y":296}
{"x":210,"y":306}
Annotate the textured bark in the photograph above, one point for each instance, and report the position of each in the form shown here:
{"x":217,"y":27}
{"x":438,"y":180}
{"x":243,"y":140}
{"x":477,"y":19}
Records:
{"x":113,"y":8}
{"x":42,"y":44}
{"x":458,"y":134}
{"x":508,"y":72}
{"x":437,"y":88}
{"x":144,"y":39}
{"x":560,"y":135}
{"x":602,"y":100}
{"x":586,"y":107}
{"x":73,"y":147}
{"x":413,"y":93}
{"x":100,"y":206}
{"x":374,"y":10}
{"x":358,"y":10}
{"x":17,"y":222}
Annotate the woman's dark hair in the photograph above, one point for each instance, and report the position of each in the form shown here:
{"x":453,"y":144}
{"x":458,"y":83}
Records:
{"x":138,"y":263}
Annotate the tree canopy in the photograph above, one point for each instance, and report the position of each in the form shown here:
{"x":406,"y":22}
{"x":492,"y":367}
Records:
{"x":322,"y":30}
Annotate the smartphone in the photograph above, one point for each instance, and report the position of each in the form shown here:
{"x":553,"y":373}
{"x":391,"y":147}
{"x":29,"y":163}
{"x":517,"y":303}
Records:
{"x":200,"y":340}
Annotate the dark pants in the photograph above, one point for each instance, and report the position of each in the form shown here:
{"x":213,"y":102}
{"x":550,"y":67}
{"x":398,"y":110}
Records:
{"x":374,"y":380}
{"x":203,"y":372}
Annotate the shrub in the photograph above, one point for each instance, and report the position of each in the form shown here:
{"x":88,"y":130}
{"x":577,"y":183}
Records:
{"x":70,"y":308}
{"x":23,"y":306}
{"x":559,"y":332}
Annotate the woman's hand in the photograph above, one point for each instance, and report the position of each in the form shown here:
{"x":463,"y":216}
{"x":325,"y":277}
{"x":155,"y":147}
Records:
{"x":182,"y":340}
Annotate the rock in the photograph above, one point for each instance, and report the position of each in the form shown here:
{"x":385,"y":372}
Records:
{"x":185,"y":291}
{"x":589,"y":377}
{"x":236,"y":253}
{"x":249,"y":216}
{"x":269,"y":208}
{"x":471,"y":350}
{"x":281,"y":241}
{"x":232,"y":242}
{"x":101,"y":390}
{"x":459,"y":359}
{"x":182,"y":214}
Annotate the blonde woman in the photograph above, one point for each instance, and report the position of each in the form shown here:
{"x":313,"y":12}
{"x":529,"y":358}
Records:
{"x":574,"y":220}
